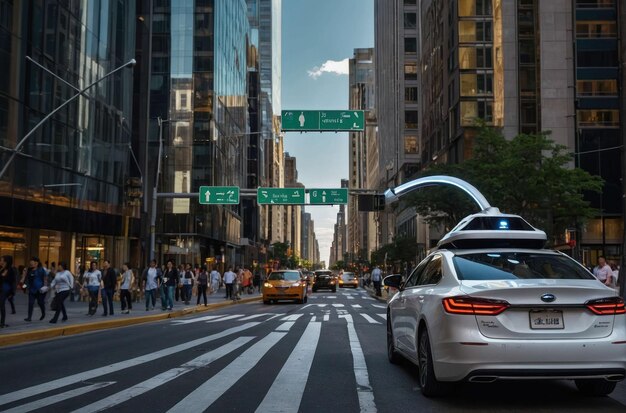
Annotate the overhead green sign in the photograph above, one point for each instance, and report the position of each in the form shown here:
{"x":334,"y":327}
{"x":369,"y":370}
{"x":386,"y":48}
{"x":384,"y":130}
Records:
{"x":323,"y":120}
{"x":328,"y":196}
{"x":219,"y":195}
{"x":282,"y":196}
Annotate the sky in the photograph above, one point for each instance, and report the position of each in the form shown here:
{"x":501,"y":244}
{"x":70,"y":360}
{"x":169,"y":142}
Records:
{"x":318,"y":36}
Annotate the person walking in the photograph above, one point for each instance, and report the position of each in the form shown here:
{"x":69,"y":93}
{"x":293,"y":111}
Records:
{"x":63,"y":283}
{"x":256,"y":280}
{"x":238,"y":284}
{"x":125,"y":285}
{"x":229,"y":281}
{"x":377,"y":276}
{"x":171,"y":280}
{"x":109,"y":282}
{"x":187,"y":279}
{"x":603,"y":272}
{"x":8,"y":276}
{"x":93,"y":283}
{"x":203,"y":283}
{"x":151,"y":278}
{"x":37,"y":289}
{"x":216,"y":279}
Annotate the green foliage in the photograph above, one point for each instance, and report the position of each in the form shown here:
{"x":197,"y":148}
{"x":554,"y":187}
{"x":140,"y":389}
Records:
{"x":339,"y":265}
{"x":402,"y":250}
{"x":529,"y":175}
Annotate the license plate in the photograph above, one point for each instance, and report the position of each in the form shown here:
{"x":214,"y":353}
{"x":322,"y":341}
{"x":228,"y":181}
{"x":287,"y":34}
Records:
{"x":546,"y":320}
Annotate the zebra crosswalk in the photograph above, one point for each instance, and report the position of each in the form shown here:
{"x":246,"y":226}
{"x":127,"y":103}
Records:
{"x":227,"y":357}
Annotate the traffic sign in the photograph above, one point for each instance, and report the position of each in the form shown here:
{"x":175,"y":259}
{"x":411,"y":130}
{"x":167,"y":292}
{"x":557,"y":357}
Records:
{"x":323,"y":120}
{"x":328,"y":196}
{"x":219,"y":195}
{"x":283,"y":196}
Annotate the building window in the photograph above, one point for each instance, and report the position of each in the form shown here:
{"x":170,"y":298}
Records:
{"x":410,"y":94}
{"x":469,"y":8}
{"x":475,"y":58}
{"x":475,"y":31}
{"x":410,"y":21}
{"x":528,"y":113}
{"x":410,"y":71}
{"x":410,"y":119}
{"x":410,"y":2}
{"x":607,"y":87}
{"x":595,"y":4}
{"x":410,"y":45}
{"x":598,"y":118}
{"x":473,"y":84}
{"x":591,"y":29}
{"x":410,"y":144}
{"x":597,"y":58}
{"x":526,"y":52}
{"x":472,"y":110}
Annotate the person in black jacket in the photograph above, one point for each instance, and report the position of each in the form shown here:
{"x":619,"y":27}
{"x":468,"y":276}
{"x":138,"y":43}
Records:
{"x":170,"y":278}
{"x":8,"y":281}
{"x":109,"y":279}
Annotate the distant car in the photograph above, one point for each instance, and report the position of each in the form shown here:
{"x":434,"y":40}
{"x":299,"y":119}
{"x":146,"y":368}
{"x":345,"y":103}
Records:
{"x":284,"y":285}
{"x":348,"y":279}
{"x":324,"y":279}
{"x":490,"y":303}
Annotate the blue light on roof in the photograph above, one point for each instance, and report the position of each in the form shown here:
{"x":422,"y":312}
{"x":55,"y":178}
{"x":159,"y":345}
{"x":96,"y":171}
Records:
{"x":503,"y":224}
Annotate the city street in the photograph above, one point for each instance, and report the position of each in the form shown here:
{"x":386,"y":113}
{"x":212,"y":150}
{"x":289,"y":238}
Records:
{"x":325,"y":355}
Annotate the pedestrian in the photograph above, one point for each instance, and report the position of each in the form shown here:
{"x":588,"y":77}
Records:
{"x":256,"y":280}
{"x":151,"y":278}
{"x":203,"y":283}
{"x":125,"y":286}
{"x":93,"y":283}
{"x":37,"y":288}
{"x":8,"y":276}
{"x":229,"y":281}
{"x":179,"y":286}
{"x":187,"y":279}
{"x":238,"y":284}
{"x":63,"y":283}
{"x":247,"y":281}
{"x":603,"y":272}
{"x":216,"y":280}
{"x":109,"y":281}
{"x":171,"y":280}
{"x":78,"y":284}
{"x":376,"y":279}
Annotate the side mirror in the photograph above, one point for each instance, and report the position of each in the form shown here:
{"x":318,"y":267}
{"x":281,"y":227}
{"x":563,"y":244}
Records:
{"x":394,"y":281}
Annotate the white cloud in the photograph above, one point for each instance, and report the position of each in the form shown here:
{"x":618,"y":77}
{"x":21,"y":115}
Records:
{"x":338,"y":67}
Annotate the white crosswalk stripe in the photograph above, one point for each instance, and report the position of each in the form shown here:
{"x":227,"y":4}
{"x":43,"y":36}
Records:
{"x":356,"y":306}
{"x":57,"y":398}
{"x":379,"y":306}
{"x":292,"y":317}
{"x":252,"y":317}
{"x":350,"y":297}
{"x":383,"y":316}
{"x":369,"y":319}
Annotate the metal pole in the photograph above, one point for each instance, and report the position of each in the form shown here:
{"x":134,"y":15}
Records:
{"x":153,"y":213}
{"x":19,"y":145}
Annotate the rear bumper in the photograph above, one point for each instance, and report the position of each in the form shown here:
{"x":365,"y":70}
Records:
{"x":488,"y":376}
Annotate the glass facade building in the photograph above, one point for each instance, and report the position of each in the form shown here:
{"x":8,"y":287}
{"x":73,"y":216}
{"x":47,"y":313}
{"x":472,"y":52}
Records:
{"x":63,"y":197}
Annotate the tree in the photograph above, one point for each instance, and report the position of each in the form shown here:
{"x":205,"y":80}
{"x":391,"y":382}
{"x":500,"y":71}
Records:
{"x":339,"y":265}
{"x":401,"y":250}
{"x":528,"y":175}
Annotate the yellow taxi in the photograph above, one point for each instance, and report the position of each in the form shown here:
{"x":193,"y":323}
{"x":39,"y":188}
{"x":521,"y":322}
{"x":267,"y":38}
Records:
{"x":284,"y":285}
{"x":348,"y":279}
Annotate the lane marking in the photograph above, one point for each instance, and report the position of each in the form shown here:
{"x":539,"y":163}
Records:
{"x":337,"y":305}
{"x":313,"y":319}
{"x":286,"y":392}
{"x":369,"y":319}
{"x":356,"y":306}
{"x":121,"y":365}
{"x":274,"y":316}
{"x":292,"y":317}
{"x":56,"y":398}
{"x":383,"y":316}
{"x":230,"y":317}
{"x":286,"y":326}
{"x":364,"y":389}
{"x":326,"y":317}
{"x":379,"y":306}
{"x":212,"y":389}
{"x":349,"y":297}
{"x":251,"y":317}
{"x":195,"y":320}
{"x":165,"y":377}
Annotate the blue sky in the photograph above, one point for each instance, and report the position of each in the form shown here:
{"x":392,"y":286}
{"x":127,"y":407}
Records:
{"x":315,"y":32}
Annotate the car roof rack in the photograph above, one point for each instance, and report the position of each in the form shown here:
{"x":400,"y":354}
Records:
{"x":492,"y":229}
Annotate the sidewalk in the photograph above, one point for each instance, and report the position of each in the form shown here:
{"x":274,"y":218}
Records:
{"x":384,"y":296}
{"x":20,"y":331}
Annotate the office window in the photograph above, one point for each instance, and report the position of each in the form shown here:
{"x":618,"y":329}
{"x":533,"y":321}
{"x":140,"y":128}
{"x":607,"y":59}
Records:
{"x":607,"y":87}
{"x":475,"y":31}
{"x":410,"y":21}
{"x":410,"y":2}
{"x":473,"y":84}
{"x":528,"y":112}
{"x":597,"y":58}
{"x":468,"y":8}
{"x":595,"y":29}
{"x":410,"y":144}
{"x":472,"y":110}
{"x":410,"y":45}
{"x":594,"y":4}
{"x":410,"y":119}
{"x":527,"y":51}
{"x":410,"y":71}
{"x":410,"y":94}
{"x":598,"y":118}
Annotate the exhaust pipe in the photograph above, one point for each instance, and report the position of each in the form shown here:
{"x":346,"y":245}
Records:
{"x":483,"y":379}
{"x":615,"y":377}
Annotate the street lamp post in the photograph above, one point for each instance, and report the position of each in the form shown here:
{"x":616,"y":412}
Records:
{"x":21,"y":143}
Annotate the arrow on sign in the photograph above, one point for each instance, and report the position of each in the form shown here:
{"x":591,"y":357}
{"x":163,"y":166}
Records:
{"x":207,"y":196}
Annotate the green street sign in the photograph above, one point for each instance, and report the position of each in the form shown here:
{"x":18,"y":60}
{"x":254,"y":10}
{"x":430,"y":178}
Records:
{"x":219,"y":195}
{"x":328,"y":196}
{"x":323,"y":120}
{"x":282,"y":196}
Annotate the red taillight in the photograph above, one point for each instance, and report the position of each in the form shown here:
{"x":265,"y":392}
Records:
{"x":474,"y":305}
{"x":607,"y":306}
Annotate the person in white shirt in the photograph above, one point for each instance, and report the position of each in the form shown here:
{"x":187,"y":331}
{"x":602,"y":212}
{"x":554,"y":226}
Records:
{"x":151,"y":277}
{"x":127,"y":281}
{"x":215,"y":281}
{"x":93,"y":281}
{"x":603,"y":272}
{"x":229,"y":280}
{"x":63,"y":282}
{"x":377,"y":277}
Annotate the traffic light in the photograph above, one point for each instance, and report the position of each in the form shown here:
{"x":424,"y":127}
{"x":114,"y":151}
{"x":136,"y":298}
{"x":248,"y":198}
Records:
{"x":369,"y":203}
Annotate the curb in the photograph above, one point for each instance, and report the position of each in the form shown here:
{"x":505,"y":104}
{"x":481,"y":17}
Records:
{"x":45,"y":334}
{"x":372,"y":294}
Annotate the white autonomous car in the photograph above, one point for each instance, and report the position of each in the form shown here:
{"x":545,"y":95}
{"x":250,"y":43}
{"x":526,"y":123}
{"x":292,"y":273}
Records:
{"x":491,"y":304}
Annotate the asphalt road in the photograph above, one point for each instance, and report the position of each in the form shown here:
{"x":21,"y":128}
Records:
{"x":324,"y":356}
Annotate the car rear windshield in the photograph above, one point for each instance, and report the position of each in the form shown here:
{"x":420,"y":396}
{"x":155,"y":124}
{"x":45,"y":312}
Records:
{"x":287,"y":276}
{"x":323,"y":273}
{"x":516,"y":265}
{"x":347,"y":276}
